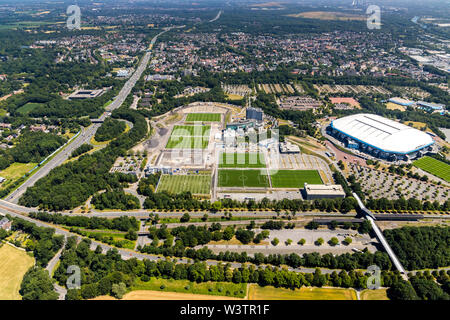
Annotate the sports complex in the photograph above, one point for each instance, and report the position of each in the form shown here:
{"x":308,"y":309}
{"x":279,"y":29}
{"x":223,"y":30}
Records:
{"x":193,"y":156}
{"x":381,"y":137}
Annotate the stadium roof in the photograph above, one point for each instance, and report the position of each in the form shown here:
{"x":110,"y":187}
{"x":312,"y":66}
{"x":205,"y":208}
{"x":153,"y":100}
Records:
{"x":382,"y":134}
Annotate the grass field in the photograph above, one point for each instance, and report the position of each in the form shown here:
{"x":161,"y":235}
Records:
{"x":435,"y":167}
{"x":379,"y":294}
{"x":243,"y":178}
{"x":187,"y":143}
{"x":196,"y":184}
{"x":28,"y":107}
{"x":295,"y":178}
{"x":15,"y":171}
{"x":191,"y":130}
{"x":204,"y":117}
{"x":189,"y":137}
{"x":228,"y":289}
{"x":13,"y":265}
{"x":271,"y":293}
{"x":242,"y":160}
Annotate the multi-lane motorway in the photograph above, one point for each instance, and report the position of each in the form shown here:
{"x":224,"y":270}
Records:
{"x":87,"y":133}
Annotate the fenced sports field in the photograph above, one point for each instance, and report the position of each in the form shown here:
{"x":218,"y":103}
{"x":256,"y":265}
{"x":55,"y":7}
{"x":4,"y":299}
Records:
{"x":241,"y":160}
{"x":243,"y":178}
{"x":435,"y":167}
{"x":294,"y":178}
{"x":195,"y":183}
{"x":189,"y":137}
{"x":203,"y":117}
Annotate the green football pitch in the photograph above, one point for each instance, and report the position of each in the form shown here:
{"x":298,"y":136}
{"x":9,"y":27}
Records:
{"x":243,"y":178}
{"x":435,"y":167}
{"x":195,"y":183}
{"x":294,"y":178}
{"x":203,"y":117}
{"x":242,"y":160}
{"x":189,"y":137}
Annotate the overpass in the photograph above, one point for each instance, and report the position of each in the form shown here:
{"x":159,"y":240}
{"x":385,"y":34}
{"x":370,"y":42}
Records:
{"x":369,"y":216}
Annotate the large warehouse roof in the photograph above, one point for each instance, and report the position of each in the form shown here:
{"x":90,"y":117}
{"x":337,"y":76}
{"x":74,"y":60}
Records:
{"x":383,"y":134}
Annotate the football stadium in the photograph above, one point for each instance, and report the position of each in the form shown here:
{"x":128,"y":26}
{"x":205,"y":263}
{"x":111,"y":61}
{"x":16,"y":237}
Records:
{"x":380,"y":137}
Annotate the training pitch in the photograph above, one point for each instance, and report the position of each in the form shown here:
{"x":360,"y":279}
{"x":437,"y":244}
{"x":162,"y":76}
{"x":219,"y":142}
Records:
{"x":189,"y":137}
{"x":203,"y":117}
{"x":294,"y":178}
{"x":243,"y":178}
{"x":435,"y":167}
{"x":242,"y":160}
{"x":175,"y":184}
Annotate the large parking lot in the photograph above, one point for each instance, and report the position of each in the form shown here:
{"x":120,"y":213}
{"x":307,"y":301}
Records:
{"x":379,"y":184}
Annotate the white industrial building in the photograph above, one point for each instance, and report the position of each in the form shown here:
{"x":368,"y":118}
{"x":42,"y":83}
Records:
{"x":381,"y":137}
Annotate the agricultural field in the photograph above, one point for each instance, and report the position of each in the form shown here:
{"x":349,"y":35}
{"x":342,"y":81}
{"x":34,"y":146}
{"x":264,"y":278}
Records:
{"x":189,"y":137}
{"x":243,"y":178}
{"x":204,"y":117}
{"x":379,"y":294}
{"x":229,"y":289}
{"x":242,"y":160}
{"x":257,"y":292}
{"x":435,"y":167}
{"x":328,"y":15}
{"x":196,"y":184}
{"x":14,"y":263}
{"x":294,"y":178}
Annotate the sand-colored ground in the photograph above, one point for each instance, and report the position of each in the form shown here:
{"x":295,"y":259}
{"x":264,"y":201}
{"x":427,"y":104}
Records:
{"x":14,"y":263}
{"x":159,"y":295}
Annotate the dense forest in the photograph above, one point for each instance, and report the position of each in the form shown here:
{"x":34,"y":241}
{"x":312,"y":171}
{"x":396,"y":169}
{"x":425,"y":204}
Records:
{"x":123,"y":223}
{"x":43,"y":242}
{"x":101,"y":271}
{"x":109,"y":130}
{"x":115,"y":199}
{"x":31,"y":147}
{"x":421,"y":247}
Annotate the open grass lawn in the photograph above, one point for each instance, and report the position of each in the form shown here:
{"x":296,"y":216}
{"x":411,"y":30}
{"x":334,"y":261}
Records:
{"x":257,"y":292}
{"x":243,"y":178}
{"x":28,"y":107}
{"x":294,"y":178}
{"x":116,"y":237}
{"x":379,"y":294}
{"x":242,"y":160}
{"x":229,"y":289}
{"x":14,"y":263}
{"x":204,"y":117}
{"x":435,"y":167}
{"x":195,"y":183}
{"x":15,"y":171}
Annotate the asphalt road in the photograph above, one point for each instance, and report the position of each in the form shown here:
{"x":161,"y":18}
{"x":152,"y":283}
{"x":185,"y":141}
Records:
{"x":87,"y":133}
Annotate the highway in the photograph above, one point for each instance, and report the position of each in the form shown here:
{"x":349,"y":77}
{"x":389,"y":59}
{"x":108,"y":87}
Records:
{"x":87,"y":133}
